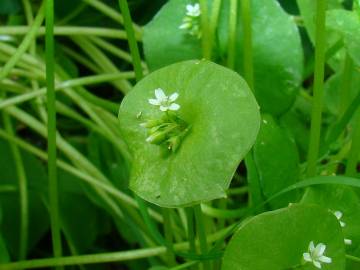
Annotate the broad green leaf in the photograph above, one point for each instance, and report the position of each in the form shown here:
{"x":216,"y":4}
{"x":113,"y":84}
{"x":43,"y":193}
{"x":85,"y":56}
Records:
{"x":294,"y":122}
{"x":333,"y":90}
{"x":164,"y":42}
{"x":276,"y":160}
{"x":308,"y":13}
{"x":223,"y":117}
{"x":277,"y":53}
{"x":343,"y":199}
{"x":347,"y":23}
{"x":277,"y":240}
{"x":9,"y":202}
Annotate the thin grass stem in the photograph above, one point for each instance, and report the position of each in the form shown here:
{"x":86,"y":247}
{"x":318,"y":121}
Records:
{"x":316,"y":114}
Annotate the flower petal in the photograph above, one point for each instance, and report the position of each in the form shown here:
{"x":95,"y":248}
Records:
{"x":307,"y":257}
{"x":325,"y":259}
{"x":160,"y":95}
{"x":164,"y":108}
{"x":317,"y":264}
{"x":320,"y":249}
{"x":173,"y":97}
{"x":311,"y":246}
{"x":342,"y":224}
{"x":189,"y":8}
{"x":348,"y":241}
{"x":317,"y":251}
{"x":174,"y":107}
{"x":154,"y":101}
{"x":338,"y":214}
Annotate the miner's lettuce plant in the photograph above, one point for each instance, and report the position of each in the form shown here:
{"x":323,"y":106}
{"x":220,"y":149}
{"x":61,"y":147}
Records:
{"x":219,"y":135}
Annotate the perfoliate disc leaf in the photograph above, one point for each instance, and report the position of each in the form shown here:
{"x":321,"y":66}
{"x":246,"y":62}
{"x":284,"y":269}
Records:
{"x":223,"y":119}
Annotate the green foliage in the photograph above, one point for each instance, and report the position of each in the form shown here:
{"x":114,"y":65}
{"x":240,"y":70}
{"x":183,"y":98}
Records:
{"x":188,"y":136}
{"x":286,"y":237}
{"x":347,"y":23}
{"x":164,"y":42}
{"x":271,"y":179}
{"x":169,"y":179}
{"x":277,"y":54}
{"x":9,"y":202}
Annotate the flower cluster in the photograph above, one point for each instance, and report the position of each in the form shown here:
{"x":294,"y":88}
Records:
{"x":170,"y":129}
{"x":339,"y":215}
{"x":191,"y":21}
{"x":315,"y":255}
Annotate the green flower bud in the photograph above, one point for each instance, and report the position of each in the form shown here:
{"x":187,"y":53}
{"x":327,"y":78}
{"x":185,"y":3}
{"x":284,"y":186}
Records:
{"x":152,"y":123}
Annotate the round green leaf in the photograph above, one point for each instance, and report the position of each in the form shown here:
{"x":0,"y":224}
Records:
{"x":277,"y":240}
{"x":224,"y":120}
{"x":345,"y":200}
{"x":269,"y":157}
{"x":164,"y":43}
{"x":277,"y":53}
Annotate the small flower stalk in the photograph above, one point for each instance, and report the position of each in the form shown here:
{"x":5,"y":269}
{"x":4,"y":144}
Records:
{"x":170,"y":129}
{"x":315,"y":255}
{"x":339,"y":215}
{"x":191,"y":22}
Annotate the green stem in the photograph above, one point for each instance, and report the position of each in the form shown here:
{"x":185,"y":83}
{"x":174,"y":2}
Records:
{"x":108,"y":46}
{"x":67,"y":31}
{"x":80,"y":173}
{"x":51,"y":130}
{"x":39,"y":103}
{"x":83,"y":60}
{"x":23,"y":192}
{"x":113,"y":14}
{"x":149,"y":222}
{"x":320,"y":43}
{"x":190,"y":228}
{"x":8,"y":188}
{"x":184,"y":265}
{"x":205,"y":31}
{"x":168,"y":236}
{"x":134,"y":50}
{"x":232,"y":34}
{"x":200,"y":227}
{"x":352,"y":258}
{"x":351,"y":167}
{"x":30,"y":35}
{"x":99,"y":57}
{"x":213,"y":24}
{"x":335,"y":131}
{"x":72,"y":14}
{"x":345,"y":85}
{"x":89,"y":80}
{"x":309,"y":68}
{"x":128,"y":255}
{"x":248,"y":54}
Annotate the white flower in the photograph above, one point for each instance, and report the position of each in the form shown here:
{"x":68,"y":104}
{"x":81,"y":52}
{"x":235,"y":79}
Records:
{"x":315,"y":255}
{"x":165,"y":102}
{"x":348,"y":241}
{"x":191,"y":21}
{"x":338,"y":215}
{"x":193,"y":10}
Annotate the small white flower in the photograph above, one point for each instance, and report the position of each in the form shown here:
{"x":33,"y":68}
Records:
{"x":338,"y":215}
{"x":315,"y":255}
{"x":348,"y":241}
{"x":191,"y":21}
{"x":165,"y":102}
{"x":193,"y":10}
